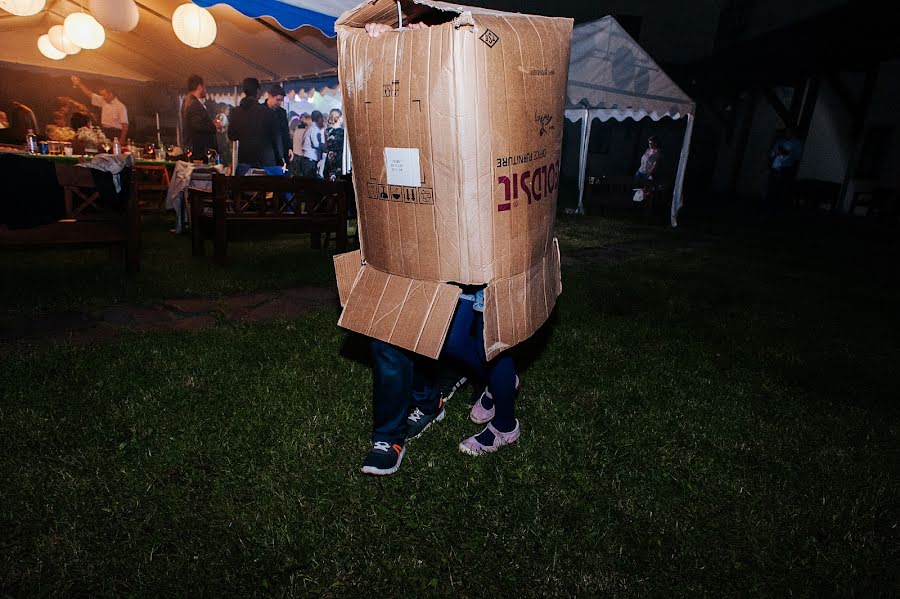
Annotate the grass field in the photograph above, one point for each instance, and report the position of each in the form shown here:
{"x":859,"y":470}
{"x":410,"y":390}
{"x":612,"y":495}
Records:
{"x":709,"y":413}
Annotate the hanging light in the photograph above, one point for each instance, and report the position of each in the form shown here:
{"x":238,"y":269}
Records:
{"x":84,"y":30}
{"x":117,"y":15}
{"x":23,"y":8}
{"x":48,"y":50}
{"x":194,"y":25}
{"x":57,"y":35}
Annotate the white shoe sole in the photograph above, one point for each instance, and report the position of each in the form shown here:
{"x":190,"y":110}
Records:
{"x":427,"y":426}
{"x":485,"y":449}
{"x":384,"y":471}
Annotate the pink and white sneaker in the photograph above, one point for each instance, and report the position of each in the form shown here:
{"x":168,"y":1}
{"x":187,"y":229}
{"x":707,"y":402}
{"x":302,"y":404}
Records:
{"x":481,"y":415}
{"x":473,"y":446}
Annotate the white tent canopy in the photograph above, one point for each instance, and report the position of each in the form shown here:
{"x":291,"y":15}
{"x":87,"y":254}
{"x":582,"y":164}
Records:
{"x":612,"y":77}
{"x":243,"y":47}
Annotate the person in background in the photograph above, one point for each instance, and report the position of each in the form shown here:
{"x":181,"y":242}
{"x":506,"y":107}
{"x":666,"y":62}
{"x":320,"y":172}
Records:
{"x":254,"y":126}
{"x":80,"y":120}
{"x":221,"y":122}
{"x":196,"y":122}
{"x":649,"y":163}
{"x":275,"y":101}
{"x":313,"y":145}
{"x":334,"y":145}
{"x":293,"y":122}
{"x":21,"y":119}
{"x":4,"y":120}
{"x":113,"y":114}
{"x":784,"y":161}
{"x":303,"y":123}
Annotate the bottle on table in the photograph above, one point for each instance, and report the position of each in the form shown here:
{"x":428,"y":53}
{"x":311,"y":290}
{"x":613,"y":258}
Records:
{"x":31,"y":142}
{"x":116,"y":149}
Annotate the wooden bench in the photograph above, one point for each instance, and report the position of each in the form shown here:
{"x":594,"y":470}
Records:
{"x":85,"y":224}
{"x":254,"y":207}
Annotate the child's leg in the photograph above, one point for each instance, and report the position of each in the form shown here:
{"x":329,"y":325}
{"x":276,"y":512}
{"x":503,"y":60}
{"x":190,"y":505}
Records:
{"x":464,"y":342}
{"x":502,"y":385}
{"x":425,"y":392}
{"x":391,"y":387}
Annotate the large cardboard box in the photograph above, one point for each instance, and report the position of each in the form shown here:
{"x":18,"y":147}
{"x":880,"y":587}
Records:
{"x":455,"y":133}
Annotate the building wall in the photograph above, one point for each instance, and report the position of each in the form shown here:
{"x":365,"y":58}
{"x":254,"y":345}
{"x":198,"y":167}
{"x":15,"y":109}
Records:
{"x":885,"y":110}
{"x":829,"y":145}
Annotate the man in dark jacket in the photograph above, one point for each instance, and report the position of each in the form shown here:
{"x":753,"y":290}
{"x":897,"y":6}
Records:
{"x":196,"y":123}
{"x":254,"y":126}
{"x":275,"y":101}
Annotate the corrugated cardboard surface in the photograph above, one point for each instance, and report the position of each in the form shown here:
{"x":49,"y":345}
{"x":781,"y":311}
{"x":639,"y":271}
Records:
{"x":346,"y":268}
{"x":515,"y":308}
{"x":483,"y":103}
{"x":405,"y":312}
{"x":481,"y":99}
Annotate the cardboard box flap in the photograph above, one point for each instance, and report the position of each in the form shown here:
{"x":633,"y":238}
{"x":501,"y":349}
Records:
{"x":346,"y":268}
{"x":516,"y":307}
{"x":385,"y":11}
{"x":408,"y":313}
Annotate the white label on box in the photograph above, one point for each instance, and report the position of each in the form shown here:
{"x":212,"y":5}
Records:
{"x":403,"y":167}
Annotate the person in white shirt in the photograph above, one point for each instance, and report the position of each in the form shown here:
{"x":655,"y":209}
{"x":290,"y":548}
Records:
{"x":312,"y":146}
{"x":113,"y":114}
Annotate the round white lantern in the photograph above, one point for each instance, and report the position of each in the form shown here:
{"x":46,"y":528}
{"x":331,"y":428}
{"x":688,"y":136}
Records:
{"x":23,"y":8}
{"x":194,"y":25}
{"x":57,"y":35}
{"x":84,"y":30}
{"x":48,"y":50}
{"x":117,"y":15}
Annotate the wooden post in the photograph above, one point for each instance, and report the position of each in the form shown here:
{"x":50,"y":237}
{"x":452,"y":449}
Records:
{"x":856,"y":135}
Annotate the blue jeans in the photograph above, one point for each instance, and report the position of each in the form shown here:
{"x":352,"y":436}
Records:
{"x":465,"y":345}
{"x":275,"y":171}
{"x":402,"y":381}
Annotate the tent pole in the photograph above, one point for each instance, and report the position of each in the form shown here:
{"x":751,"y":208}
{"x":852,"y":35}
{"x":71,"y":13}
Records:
{"x":677,"y":199}
{"x":582,"y":158}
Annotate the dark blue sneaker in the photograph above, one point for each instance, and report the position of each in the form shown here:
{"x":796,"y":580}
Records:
{"x":384,"y":459}
{"x":418,"y":422}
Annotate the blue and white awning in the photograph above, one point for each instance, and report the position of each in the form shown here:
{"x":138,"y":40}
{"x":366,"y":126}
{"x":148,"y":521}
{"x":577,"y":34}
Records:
{"x":291,"y":14}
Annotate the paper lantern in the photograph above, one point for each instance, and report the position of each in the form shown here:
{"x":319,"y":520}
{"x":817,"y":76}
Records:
{"x":57,"y":35}
{"x":48,"y":50}
{"x":23,"y":8}
{"x":116,"y":15}
{"x":84,"y":30}
{"x":194,"y":25}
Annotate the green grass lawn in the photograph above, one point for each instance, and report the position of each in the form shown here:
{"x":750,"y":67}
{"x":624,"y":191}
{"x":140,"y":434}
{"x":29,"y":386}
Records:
{"x":71,"y":279}
{"x":715,"y":418}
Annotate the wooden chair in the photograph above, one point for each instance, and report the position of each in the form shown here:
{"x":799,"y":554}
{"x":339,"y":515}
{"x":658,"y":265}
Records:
{"x":254,"y":207}
{"x":153,"y":178}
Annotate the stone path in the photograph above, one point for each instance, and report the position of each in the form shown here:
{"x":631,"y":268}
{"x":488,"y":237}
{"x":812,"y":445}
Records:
{"x":188,"y":314}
